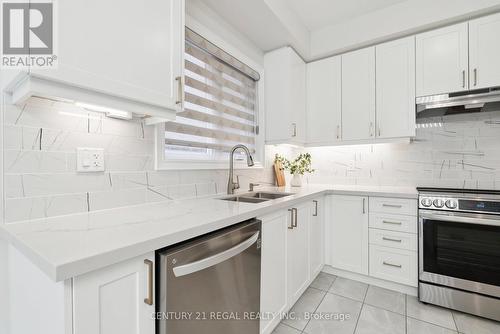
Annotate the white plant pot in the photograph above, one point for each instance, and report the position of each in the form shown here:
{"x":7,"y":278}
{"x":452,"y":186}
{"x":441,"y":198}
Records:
{"x":296,"y":180}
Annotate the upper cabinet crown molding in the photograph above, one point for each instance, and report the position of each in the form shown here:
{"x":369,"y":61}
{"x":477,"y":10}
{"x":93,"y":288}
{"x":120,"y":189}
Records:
{"x":285,"y":92}
{"x":135,"y":65}
{"x":442,"y":60}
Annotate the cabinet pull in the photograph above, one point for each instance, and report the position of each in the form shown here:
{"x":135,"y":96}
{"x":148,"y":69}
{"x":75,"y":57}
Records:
{"x":149,"y":299}
{"x":364,"y":200}
{"x":295,"y":220}
{"x":180,"y":90}
{"x":379,"y":130}
{"x":371,"y":129}
{"x":338,"y":131}
{"x":475,"y":77}
{"x":392,"y":264}
{"x":389,"y":222}
{"x":392,"y":206}
{"x":294,"y":131}
{"x":291,"y":219}
{"x":315,"y":214}
{"x":463,"y":79}
{"x":390,"y":239}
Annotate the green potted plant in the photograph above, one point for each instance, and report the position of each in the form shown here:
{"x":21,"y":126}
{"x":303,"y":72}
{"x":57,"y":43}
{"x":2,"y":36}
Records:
{"x":297,"y":167}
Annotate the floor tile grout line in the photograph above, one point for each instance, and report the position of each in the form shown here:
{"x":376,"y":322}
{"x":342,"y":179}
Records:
{"x":430,"y":323}
{"x":454,"y":321}
{"x":315,"y":309}
{"x":359,"y":316}
{"x":406,"y":313}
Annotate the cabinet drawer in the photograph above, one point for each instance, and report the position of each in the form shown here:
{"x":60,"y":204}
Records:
{"x":398,"y":223}
{"x":399,"y":206}
{"x":393,"y":239}
{"x":396,"y":265}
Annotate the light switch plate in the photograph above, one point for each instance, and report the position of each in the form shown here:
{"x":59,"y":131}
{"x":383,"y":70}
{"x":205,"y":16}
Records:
{"x":89,"y":159}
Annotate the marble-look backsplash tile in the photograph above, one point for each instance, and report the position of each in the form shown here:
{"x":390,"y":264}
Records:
{"x":460,"y":151}
{"x":40,"y":141}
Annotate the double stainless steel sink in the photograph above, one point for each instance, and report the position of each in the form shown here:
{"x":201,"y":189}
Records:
{"x":255,"y":197}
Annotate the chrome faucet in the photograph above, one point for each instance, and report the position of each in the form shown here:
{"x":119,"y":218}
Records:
{"x":231,"y":185}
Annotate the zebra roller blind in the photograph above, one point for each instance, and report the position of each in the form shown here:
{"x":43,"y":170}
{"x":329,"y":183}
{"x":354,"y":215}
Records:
{"x":220,"y":104}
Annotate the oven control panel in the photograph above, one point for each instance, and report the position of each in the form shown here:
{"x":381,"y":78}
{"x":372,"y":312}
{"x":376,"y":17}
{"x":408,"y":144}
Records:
{"x":447,"y":203}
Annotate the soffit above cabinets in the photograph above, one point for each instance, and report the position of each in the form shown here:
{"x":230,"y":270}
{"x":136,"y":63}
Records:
{"x":321,"y":28}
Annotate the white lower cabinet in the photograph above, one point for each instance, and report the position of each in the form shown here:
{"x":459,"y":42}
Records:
{"x":297,"y":252}
{"x":273,"y":292}
{"x":316,"y":236}
{"x":348,"y":233}
{"x":396,"y":265}
{"x":113,"y":300}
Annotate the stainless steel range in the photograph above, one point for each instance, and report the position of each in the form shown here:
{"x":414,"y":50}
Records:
{"x":459,"y":250}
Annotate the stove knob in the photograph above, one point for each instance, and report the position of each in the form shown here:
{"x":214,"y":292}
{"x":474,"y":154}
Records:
{"x":451,"y":204}
{"x":427,"y":202}
{"x":438,"y":203}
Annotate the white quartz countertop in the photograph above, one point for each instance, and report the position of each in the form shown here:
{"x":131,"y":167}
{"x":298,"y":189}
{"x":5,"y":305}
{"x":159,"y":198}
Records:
{"x":68,"y":246}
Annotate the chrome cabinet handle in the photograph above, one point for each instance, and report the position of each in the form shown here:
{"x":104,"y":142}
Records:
{"x":475,"y":77}
{"x":392,"y":206}
{"x":371,"y":129}
{"x":364,"y":200}
{"x":390,"y":239}
{"x":463,"y":79}
{"x":389,"y":222}
{"x":392,"y":264}
{"x":294,"y":132}
{"x":149,"y":299}
{"x":338,"y":131}
{"x":213,"y":260}
{"x":291,"y":219}
{"x":379,"y":131}
{"x":315,"y":214}
{"x":295,"y":220}
{"x":180,"y":90}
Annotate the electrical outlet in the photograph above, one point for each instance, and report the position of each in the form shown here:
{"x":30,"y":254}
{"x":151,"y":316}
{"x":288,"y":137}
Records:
{"x":89,"y":159}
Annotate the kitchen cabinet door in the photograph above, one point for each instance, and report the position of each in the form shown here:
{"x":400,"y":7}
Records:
{"x":111,"y":300}
{"x":358,"y":94}
{"x":324,"y":104}
{"x":484,"y":52}
{"x":348,"y":233}
{"x":297,"y":252}
{"x":285,"y":97}
{"x":442,"y":60}
{"x":316,"y":236}
{"x":273,"y":292}
{"x":395,"y":85}
{"x":121,"y":49}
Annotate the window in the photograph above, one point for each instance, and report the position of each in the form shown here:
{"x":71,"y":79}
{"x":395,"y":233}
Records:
{"x":220,"y":109}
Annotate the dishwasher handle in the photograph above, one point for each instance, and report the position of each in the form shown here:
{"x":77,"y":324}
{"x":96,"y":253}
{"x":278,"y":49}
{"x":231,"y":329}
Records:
{"x":215,"y":259}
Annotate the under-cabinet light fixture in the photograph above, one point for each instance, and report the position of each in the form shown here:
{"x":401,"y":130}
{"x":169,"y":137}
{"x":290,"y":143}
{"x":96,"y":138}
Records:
{"x":113,"y":113}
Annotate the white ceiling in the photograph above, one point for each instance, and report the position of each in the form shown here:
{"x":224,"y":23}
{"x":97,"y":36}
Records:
{"x":317,"y":14}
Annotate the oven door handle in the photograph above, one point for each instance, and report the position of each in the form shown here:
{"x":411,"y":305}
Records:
{"x":213,"y":260}
{"x":456,"y":218}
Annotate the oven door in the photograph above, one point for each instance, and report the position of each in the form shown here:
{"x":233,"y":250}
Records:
{"x":460,"y":250}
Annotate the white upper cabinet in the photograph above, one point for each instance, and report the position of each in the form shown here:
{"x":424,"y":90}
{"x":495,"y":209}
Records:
{"x":285,"y":97}
{"x":116,"y":54}
{"x":395,"y":85}
{"x":442,"y":60}
{"x":484,"y":52}
{"x":324,"y":104}
{"x":358,"y":94}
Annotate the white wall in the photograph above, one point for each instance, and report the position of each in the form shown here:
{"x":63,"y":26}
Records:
{"x":401,"y":19}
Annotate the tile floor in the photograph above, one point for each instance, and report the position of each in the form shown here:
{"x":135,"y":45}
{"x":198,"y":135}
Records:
{"x":373,"y":310}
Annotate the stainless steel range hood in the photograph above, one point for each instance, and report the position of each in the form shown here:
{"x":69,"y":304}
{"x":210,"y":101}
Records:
{"x":479,"y":100}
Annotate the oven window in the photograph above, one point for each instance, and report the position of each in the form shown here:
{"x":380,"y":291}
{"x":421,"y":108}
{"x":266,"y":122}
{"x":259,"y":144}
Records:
{"x":466,"y":251}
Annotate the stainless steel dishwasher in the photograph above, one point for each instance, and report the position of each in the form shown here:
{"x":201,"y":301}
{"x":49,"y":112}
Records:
{"x":211,"y":284}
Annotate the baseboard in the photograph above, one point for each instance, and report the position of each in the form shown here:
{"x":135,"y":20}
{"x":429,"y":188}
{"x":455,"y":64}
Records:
{"x":410,"y":290}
